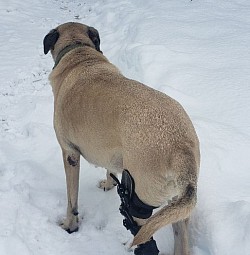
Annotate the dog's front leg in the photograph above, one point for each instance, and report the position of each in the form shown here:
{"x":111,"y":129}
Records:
{"x":71,"y":161}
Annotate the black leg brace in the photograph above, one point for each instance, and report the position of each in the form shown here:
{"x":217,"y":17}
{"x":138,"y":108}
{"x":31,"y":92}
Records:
{"x":131,"y":206}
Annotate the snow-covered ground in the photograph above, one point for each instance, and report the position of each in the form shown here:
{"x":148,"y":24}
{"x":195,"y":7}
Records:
{"x":195,"y":51}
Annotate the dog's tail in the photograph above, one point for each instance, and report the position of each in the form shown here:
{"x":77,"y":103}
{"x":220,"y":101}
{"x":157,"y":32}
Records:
{"x":172,"y":213}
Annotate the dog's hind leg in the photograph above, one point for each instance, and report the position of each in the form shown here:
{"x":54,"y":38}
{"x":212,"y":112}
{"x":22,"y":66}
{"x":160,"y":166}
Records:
{"x":71,"y":161}
{"x":180,"y":229}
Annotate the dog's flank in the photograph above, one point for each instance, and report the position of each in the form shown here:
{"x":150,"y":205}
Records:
{"x":118,"y":123}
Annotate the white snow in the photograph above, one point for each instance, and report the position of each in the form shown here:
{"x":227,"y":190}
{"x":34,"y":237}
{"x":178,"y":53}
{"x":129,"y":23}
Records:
{"x":195,"y":51}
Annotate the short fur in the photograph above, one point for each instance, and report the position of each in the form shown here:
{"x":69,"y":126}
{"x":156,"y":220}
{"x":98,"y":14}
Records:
{"x":118,"y":123}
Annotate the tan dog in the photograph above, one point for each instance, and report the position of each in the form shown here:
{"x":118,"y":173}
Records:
{"x":118,"y":124}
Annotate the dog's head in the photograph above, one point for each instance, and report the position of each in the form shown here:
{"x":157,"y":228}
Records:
{"x":70,"y":33}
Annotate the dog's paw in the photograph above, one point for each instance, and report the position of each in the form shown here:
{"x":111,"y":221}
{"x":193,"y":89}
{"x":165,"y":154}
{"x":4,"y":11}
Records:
{"x":106,"y":185}
{"x":70,"y":226}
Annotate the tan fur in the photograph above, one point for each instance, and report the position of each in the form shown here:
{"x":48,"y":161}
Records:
{"x":118,"y":123}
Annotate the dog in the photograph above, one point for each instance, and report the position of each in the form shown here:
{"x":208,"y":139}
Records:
{"x":118,"y":123}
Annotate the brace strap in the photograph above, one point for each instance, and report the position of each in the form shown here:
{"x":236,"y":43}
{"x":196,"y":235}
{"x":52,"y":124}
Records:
{"x":131,"y":206}
{"x":135,"y":206}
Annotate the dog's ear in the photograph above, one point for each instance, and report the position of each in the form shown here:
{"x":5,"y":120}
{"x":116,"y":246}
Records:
{"x":94,"y":37}
{"x":50,"y":40}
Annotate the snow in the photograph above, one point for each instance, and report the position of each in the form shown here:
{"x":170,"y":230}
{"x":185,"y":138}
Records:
{"x":195,"y":51}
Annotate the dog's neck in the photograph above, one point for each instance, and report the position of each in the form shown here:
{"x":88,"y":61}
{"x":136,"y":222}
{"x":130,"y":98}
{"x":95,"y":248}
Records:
{"x":67,"y":49}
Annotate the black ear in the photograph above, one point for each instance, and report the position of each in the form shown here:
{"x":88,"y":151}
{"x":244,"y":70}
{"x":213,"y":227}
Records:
{"x":50,"y":40}
{"x":94,"y":37}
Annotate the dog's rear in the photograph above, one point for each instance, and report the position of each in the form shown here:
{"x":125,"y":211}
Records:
{"x":184,"y":183}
